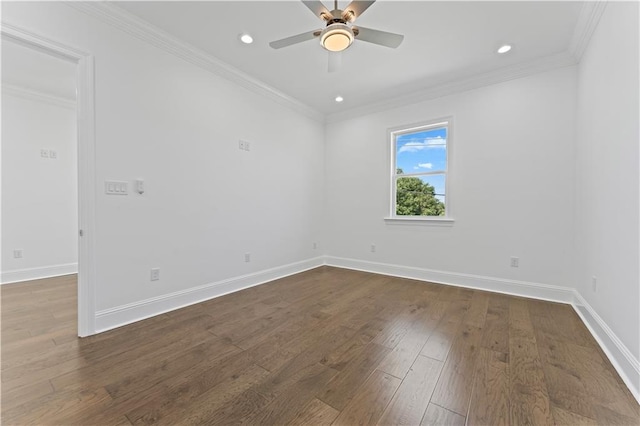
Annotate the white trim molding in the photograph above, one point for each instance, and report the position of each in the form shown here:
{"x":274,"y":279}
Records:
{"x":19,"y":275}
{"x":621,"y":358}
{"x":627,"y":366}
{"x":417,"y":220}
{"x":588,"y":20}
{"x":460,"y":84}
{"x":118,"y":316}
{"x":477,"y":282}
{"x":147,"y":32}
{"x":38,"y":96}
{"x":117,"y":17}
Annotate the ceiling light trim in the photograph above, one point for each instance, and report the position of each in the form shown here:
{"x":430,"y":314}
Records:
{"x":145,"y":31}
{"x":588,"y":21}
{"x":459,"y":85}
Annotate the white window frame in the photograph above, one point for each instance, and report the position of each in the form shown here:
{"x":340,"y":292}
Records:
{"x":393,"y":133}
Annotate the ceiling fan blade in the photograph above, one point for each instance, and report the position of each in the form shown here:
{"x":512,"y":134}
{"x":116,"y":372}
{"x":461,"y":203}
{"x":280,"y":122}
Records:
{"x":317,"y":8}
{"x":382,"y":38}
{"x":278,"y":44}
{"x":355,"y":9}
{"x":335,"y":61}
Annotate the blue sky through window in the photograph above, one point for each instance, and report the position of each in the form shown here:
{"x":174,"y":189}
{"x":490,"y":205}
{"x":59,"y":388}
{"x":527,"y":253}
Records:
{"x":424,"y":151}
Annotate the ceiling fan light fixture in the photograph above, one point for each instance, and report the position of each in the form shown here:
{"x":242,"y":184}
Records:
{"x":336,"y":37}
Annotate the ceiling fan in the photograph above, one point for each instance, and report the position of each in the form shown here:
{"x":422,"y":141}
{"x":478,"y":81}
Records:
{"x":339,"y":32}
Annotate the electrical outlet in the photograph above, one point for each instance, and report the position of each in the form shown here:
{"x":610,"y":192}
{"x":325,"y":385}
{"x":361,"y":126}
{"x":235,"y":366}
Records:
{"x":515,"y":262}
{"x":44,"y":153}
{"x":241,"y":145}
{"x":155,"y":274}
{"x":247,"y":146}
{"x":594,"y":283}
{"x":373,"y":248}
{"x":53,"y":154}
{"x":247,"y":257}
{"x":17,"y":254}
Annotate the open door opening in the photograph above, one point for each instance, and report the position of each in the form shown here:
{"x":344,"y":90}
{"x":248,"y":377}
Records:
{"x":48,"y":108}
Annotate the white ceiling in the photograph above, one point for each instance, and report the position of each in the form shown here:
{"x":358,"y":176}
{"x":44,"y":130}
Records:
{"x":444,"y":41}
{"x":31,"y":69}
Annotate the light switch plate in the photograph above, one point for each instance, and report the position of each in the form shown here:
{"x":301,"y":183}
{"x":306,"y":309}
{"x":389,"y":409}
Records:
{"x":115,"y":187}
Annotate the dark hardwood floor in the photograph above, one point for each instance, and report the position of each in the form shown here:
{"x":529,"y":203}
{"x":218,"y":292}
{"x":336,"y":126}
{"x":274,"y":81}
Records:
{"x":328,"y":346}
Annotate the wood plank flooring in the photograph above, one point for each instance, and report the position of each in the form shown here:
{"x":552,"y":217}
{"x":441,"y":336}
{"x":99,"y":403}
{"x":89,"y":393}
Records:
{"x":328,"y":346}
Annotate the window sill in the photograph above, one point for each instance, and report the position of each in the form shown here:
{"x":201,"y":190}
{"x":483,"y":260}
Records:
{"x":437,"y":221}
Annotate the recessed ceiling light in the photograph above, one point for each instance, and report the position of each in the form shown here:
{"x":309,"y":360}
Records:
{"x":339,"y":99}
{"x":246,"y":39}
{"x":505,"y":48}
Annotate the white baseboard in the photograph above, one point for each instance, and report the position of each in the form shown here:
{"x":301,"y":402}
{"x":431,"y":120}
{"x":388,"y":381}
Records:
{"x":621,"y":358}
{"x":126,"y":314}
{"x":18,"y":275}
{"x":627,"y":366}
{"x":477,"y":282}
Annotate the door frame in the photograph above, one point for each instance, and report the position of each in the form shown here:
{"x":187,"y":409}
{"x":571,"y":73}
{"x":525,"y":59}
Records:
{"x":85,"y":122}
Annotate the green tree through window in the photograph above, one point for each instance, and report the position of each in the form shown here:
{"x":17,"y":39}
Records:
{"x":416,"y":198}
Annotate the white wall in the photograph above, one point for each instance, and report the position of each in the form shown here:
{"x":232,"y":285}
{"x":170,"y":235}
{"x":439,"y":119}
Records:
{"x":511,"y":184}
{"x":206,"y":202}
{"x":545,"y":168}
{"x":39,"y":195}
{"x":607,"y":210}
{"x":517,"y":187}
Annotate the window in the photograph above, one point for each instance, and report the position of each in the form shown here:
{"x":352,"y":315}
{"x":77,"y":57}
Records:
{"x":419,"y":163}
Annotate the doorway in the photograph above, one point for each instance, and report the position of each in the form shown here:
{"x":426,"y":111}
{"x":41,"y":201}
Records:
{"x":48,"y":91}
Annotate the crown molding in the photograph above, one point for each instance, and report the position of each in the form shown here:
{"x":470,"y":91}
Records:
{"x":113,"y":15}
{"x":588,"y":20}
{"x":461,"y":84}
{"x":38,"y":96}
{"x":143,"y":30}
{"x":40,"y":43}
